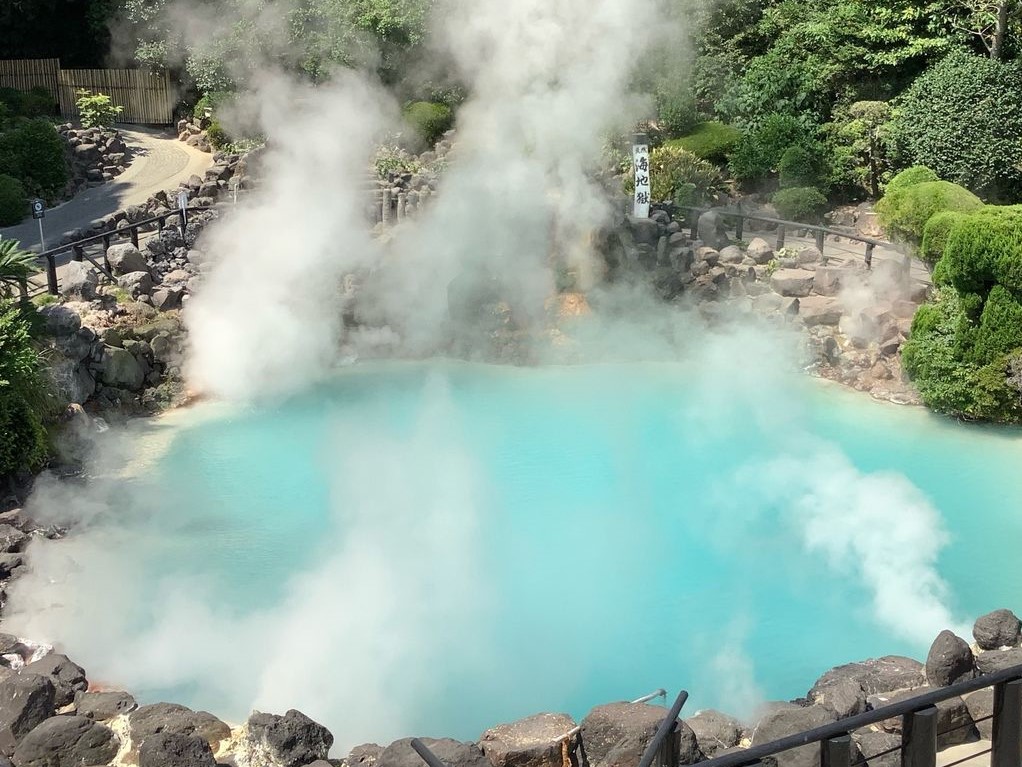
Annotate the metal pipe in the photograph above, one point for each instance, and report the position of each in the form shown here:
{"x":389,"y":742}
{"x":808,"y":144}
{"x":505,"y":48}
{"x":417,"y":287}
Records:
{"x":665,"y":729}
{"x":427,"y":756}
{"x":661,"y":693}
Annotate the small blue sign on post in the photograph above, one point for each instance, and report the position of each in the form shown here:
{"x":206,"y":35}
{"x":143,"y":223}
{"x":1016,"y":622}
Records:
{"x":38,"y":208}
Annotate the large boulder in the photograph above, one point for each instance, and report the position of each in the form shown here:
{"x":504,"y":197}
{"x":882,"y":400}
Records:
{"x":125,"y":259}
{"x":61,"y":320}
{"x":879,"y":748}
{"x":11,"y":539}
{"x":616,"y":734}
{"x":997,"y":660}
{"x":711,"y":230}
{"x":67,"y":676}
{"x":950,"y":660}
{"x":72,"y":381}
{"x":453,"y":753}
{"x":828,"y":280}
{"x":66,"y":741}
{"x":79,"y":281}
{"x":786,"y":719}
{"x":167,"y":298}
{"x":954,"y":722}
{"x":100,"y":706}
{"x":759,"y":250}
{"x":715,"y":732}
{"x":981,"y":709}
{"x":819,"y":310}
{"x":793,"y":283}
{"x":136,"y":283}
{"x":172,"y":749}
{"x":844,"y":696}
{"x":292,"y":740}
{"x":121,"y":369}
{"x":26,"y":701}
{"x":877,"y":675}
{"x":535,"y":741}
{"x":998,"y":629}
{"x":645,"y":231}
{"x":170,"y":717}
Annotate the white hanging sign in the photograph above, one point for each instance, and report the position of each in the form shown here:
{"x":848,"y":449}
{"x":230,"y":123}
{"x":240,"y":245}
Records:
{"x":640,"y":161}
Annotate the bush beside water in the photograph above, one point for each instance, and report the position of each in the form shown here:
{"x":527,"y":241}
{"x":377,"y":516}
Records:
{"x":13,"y":202}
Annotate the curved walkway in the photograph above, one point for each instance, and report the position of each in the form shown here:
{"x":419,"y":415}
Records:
{"x":159,"y":162}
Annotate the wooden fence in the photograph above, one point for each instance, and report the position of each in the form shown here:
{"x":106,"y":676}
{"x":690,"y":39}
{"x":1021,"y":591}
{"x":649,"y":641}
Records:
{"x":147,"y":97}
{"x":26,"y":74}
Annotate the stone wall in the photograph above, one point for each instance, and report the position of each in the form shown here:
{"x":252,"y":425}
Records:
{"x":95,"y":156}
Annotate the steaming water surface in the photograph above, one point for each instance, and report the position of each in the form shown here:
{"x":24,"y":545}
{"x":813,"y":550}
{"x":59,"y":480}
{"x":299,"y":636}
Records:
{"x":432,"y":549}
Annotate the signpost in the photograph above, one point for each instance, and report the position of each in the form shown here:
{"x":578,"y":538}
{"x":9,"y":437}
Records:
{"x":39,"y":213}
{"x":640,"y":161}
{"x":182,"y":204}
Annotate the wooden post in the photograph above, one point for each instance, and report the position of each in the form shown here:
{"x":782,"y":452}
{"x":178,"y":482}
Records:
{"x":1006,"y":746}
{"x":388,"y":197}
{"x":820,"y":239}
{"x":134,"y":236}
{"x":836,"y":752}
{"x":402,"y":201}
{"x":51,"y":275}
{"x":780,"y":236}
{"x":740,"y":226}
{"x":869,"y":255}
{"x":694,"y":213}
{"x":77,"y":253}
{"x":919,"y":738}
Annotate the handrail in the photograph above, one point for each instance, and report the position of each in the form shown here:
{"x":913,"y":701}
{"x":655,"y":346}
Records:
{"x":841,"y":727}
{"x":790,"y":224}
{"x":661,"y":693}
{"x":665,"y":729}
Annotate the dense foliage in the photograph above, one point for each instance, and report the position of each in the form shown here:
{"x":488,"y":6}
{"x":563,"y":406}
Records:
{"x":963,"y":119}
{"x":33,"y":152}
{"x":22,"y":436}
{"x":905,"y":211}
{"x":758,"y":154}
{"x":429,"y":121}
{"x":800,"y":203}
{"x":37,"y":102}
{"x":13,"y":201}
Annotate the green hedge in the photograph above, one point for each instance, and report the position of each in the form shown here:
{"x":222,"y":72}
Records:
{"x":804,"y":204}
{"x":13,"y":202}
{"x":33,"y":152}
{"x":936,"y":233}
{"x":804,"y":165}
{"x":905,"y":211}
{"x":985,"y":249}
{"x":429,"y":120}
{"x":758,"y":153}
{"x":710,"y":141}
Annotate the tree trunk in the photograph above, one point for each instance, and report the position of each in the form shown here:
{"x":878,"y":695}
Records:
{"x":1000,"y":30}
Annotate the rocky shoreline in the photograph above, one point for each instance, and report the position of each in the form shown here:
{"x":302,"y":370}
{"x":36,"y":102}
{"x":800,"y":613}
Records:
{"x":51,"y":716}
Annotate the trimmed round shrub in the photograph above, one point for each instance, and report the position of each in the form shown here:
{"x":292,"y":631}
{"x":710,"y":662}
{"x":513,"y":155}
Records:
{"x":917,"y":174}
{"x":963,"y":118}
{"x":803,"y":165}
{"x":33,"y":152}
{"x":677,"y":113}
{"x":800,"y":203}
{"x":217,"y":136}
{"x":1000,"y":328}
{"x":429,"y":120}
{"x":936,"y":233}
{"x":905,"y":211}
{"x":982,"y":249}
{"x":13,"y":202}
{"x":711,"y":141}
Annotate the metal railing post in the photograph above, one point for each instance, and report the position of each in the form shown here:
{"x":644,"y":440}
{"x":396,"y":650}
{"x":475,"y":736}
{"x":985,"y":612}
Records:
{"x":134,"y":236}
{"x":1006,"y":746}
{"x":667,"y":727}
{"x":919,"y":738}
{"x":739,"y":226}
{"x":836,"y":752}
{"x":869,"y":255}
{"x":51,"y":275}
{"x":780,"y":237}
{"x":77,"y":254}
{"x":694,"y":224}
{"x":385,"y":212}
{"x":427,"y":756}
{"x":820,"y":238}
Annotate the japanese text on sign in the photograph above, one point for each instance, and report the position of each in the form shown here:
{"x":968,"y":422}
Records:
{"x":640,"y":159}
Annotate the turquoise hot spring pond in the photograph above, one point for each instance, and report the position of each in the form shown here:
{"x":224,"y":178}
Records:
{"x":434,"y":548}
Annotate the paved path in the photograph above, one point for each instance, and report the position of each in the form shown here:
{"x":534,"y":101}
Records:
{"x":160,"y":162}
{"x":850,"y":252}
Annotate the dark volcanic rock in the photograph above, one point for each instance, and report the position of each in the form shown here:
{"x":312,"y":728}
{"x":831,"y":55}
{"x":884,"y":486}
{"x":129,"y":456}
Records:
{"x":292,"y":740}
{"x":954,"y":722}
{"x":998,"y":629}
{"x":66,"y":741}
{"x":26,"y":701}
{"x":715,"y":732}
{"x":892,"y":672}
{"x":171,"y":749}
{"x":950,"y":660}
{"x":453,"y":753}
{"x":11,"y":539}
{"x":616,"y":734}
{"x":876,"y":748}
{"x":365,"y":755}
{"x":170,"y":717}
{"x":787,"y":719}
{"x":998,"y":660}
{"x":844,"y":696}
{"x":981,"y":707}
{"x":535,"y":741}
{"x":101,"y":706}
{"x":68,"y":677}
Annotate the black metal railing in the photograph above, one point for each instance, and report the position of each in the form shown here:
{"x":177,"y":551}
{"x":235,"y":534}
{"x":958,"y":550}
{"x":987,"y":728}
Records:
{"x":919,"y":731}
{"x":692,"y":215}
{"x":77,"y":248}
